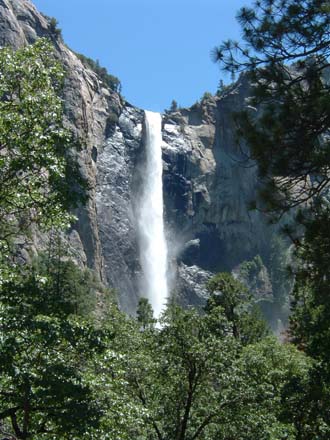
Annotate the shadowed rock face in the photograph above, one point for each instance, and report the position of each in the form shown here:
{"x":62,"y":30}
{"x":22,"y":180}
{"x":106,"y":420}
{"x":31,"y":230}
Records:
{"x":209,"y":183}
{"x":206,"y":189}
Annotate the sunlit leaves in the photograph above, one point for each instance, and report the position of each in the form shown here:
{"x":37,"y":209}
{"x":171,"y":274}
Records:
{"x":36,"y":172}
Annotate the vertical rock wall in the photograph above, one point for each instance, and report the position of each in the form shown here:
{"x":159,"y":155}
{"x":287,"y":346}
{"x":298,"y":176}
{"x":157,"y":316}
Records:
{"x":209,"y":182}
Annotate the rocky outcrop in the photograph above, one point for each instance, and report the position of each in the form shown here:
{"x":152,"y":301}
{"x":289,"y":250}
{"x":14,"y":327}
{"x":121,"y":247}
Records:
{"x":116,"y":165}
{"x":191,"y":282}
{"x":206,"y":188}
{"x":209,"y":182}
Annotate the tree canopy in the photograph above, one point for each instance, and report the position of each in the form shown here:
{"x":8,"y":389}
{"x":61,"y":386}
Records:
{"x":39,"y":180}
{"x":285,"y":53}
{"x":44,"y":347}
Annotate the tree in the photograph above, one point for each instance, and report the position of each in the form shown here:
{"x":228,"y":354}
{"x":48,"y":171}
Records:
{"x":234,"y":300}
{"x":39,"y":180}
{"x":53,"y":27}
{"x":206,"y":96}
{"x":174,"y":106}
{"x":45,"y":351}
{"x":285,"y":54}
{"x":254,"y":276}
{"x":190,"y":380}
{"x":280,"y":372}
{"x":311,"y":317}
{"x":114,"y":377}
{"x":109,"y":80}
{"x":144,"y":313}
{"x":74,"y":288}
{"x":309,"y":324}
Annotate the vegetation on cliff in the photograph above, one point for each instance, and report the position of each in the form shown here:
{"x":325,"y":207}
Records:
{"x":109,"y":80}
{"x":37,"y":174}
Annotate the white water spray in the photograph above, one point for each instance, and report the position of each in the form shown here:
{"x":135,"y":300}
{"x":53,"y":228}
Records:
{"x":153,"y":248}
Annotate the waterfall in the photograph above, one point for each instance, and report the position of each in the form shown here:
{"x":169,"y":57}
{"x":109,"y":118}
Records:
{"x":153,"y":248}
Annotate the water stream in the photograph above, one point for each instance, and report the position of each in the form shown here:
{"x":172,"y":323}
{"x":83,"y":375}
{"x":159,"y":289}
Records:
{"x":153,"y":247}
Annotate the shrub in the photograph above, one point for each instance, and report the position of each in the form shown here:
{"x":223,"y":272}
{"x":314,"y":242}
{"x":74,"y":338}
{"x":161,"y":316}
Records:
{"x":110,"y":80}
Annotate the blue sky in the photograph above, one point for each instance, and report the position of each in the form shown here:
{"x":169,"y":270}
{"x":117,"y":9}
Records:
{"x":159,"y":49}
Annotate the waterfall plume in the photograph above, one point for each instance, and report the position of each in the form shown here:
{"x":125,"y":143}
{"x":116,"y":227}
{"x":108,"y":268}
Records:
{"x":153,"y":247}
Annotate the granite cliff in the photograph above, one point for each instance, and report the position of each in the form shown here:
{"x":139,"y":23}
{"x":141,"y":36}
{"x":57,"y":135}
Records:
{"x":207,"y":183}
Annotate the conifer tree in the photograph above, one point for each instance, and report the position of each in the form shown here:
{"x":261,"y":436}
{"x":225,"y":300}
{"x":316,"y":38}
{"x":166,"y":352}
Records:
{"x":285,"y":53}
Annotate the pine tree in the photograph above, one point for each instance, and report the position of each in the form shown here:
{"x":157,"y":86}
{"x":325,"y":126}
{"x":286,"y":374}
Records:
{"x":285,"y":53}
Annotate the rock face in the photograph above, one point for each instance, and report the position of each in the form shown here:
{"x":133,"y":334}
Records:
{"x":115,"y":195}
{"x":209,"y":182}
{"x":206,"y":188}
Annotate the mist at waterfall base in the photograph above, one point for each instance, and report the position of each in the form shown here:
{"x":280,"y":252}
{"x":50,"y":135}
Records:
{"x":152,"y":241}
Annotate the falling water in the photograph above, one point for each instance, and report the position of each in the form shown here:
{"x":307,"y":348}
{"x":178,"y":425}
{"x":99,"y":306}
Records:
{"x":153,"y":248}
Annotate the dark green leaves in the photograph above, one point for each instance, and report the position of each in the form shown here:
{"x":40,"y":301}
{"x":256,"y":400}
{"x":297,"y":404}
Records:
{"x":36,"y":172}
{"x":45,"y":351}
{"x":286,"y":53}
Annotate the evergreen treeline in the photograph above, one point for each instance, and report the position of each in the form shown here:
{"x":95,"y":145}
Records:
{"x":72,"y":366}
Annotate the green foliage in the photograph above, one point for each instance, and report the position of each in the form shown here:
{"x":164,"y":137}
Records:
{"x":38,"y":180}
{"x":273,"y":370}
{"x":305,"y":404}
{"x":222,"y":88}
{"x":109,"y":80}
{"x":47,"y":351}
{"x":232,"y":299}
{"x":196,"y":105}
{"x":45,"y":348}
{"x":125,"y":359}
{"x":192,"y":374}
{"x":206,"y":96}
{"x":144,"y":314}
{"x":70,"y":287}
{"x":250,"y":269}
{"x":191,"y":379}
{"x":53,"y":27}
{"x":286,"y":56}
{"x":228,"y":293}
{"x":288,"y":134}
{"x":253,"y":274}
{"x":310,"y":320}
{"x":174,"y":107}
